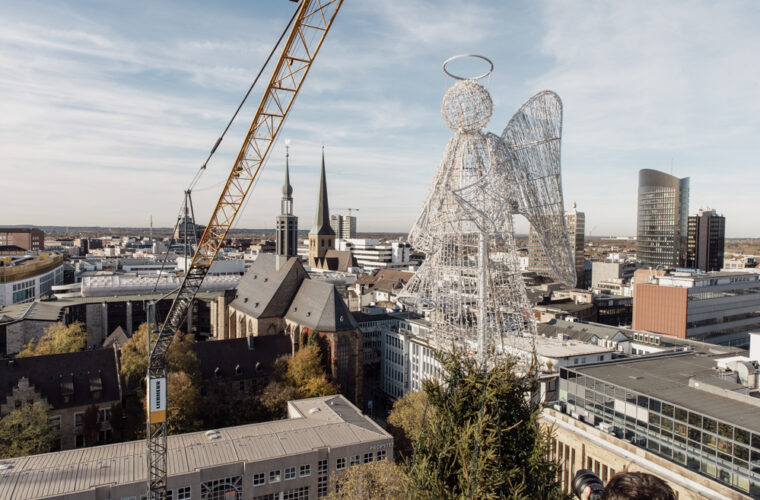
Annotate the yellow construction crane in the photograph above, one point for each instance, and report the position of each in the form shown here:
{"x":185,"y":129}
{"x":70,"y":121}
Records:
{"x":310,"y":25}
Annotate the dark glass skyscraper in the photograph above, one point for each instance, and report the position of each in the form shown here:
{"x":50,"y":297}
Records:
{"x":663,"y":214}
{"x":707,"y":239}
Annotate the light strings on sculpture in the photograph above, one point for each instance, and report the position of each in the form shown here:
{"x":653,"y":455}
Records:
{"x":470,"y":283}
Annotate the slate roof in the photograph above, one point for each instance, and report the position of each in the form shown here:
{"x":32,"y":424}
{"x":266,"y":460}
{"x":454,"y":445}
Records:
{"x":318,"y":306}
{"x":337,"y":260}
{"x":265,"y":292}
{"x":118,"y":337}
{"x":236,"y":361}
{"x":580,"y":331}
{"x":76,"y":374}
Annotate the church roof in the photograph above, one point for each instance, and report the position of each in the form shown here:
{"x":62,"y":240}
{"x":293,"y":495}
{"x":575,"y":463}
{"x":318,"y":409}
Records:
{"x":322,"y":220}
{"x":287,"y":189}
{"x":318,"y":306}
{"x":66,"y":380}
{"x":266,"y":292}
{"x":117,"y":337}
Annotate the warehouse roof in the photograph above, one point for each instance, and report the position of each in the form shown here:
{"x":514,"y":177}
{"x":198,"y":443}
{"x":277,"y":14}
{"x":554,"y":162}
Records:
{"x":330,"y":421}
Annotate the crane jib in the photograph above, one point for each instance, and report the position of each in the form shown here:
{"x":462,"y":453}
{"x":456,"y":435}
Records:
{"x":312,"y":23}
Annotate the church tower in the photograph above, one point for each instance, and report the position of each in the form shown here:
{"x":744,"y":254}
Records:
{"x":321,"y":236}
{"x":287,"y":223}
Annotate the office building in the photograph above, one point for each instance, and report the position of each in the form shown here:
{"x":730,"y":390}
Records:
{"x":663,"y":210}
{"x":344,"y":226}
{"x":287,"y":223}
{"x":27,"y":238}
{"x":689,"y":417}
{"x":575,"y":222}
{"x":295,"y":458}
{"x":25,"y":278}
{"x":717,"y":307}
{"x":604,"y":271}
{"x":706,"y":240}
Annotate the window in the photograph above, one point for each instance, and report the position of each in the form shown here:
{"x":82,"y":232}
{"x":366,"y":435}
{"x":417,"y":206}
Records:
{"x":290,"y":473}
{"x":258,"y":479}
{"x":183,"y":493}
{"x":381,"y":455}
{"x":367,"y":458}
{"x":340,"y":464}
{"x":55,"y":422}
{"x":78,"y":419}
{"x":305,"y":470}
{"x":80,"y":440}
{"x":296,"y":494}
{"x":274,"y":476}
{"x":355,"y":460}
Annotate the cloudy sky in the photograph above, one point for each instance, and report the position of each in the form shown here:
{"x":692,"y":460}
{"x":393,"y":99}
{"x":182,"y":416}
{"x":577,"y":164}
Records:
{"x":108,"y":108}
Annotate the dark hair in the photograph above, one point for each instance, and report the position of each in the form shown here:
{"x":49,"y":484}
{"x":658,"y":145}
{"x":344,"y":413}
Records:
{"x":637,"y":486}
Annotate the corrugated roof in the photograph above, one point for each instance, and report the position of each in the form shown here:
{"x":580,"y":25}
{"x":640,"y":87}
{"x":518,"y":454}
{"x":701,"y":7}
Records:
{"x":335,"y":422}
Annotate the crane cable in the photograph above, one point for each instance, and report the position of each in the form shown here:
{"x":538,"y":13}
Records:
{"x":247,"y":94}
{"x":202,"y":169}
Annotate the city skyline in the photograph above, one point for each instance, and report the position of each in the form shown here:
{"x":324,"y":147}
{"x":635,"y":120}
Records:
{"x":115,"y":109}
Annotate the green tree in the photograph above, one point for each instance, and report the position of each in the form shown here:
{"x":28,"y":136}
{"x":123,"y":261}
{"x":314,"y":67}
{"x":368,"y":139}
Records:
{"x":26,"y":431}
{"x":382,"y":480}
{"x":405,"y":421}
{"x":58,"y":339}
{"x":484,"y":439}
{"x":180,"y":357}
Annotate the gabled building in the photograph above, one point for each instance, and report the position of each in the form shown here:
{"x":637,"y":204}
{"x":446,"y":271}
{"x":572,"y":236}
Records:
{"x":69,"y":383}
{"x":270,"y":301}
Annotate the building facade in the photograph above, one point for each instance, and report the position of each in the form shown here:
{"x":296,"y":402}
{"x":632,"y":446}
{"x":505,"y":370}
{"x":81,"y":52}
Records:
{"x":718,"y":307}
{"x":27,"y":238}
{"x":706,"y":241}
{"x":295,"y":459}
{"x":575,"y":222}
{"x":691,"y":410}
{"x":663,"y":210}
{"x":344,"y":226}
{"x":26,"y":278}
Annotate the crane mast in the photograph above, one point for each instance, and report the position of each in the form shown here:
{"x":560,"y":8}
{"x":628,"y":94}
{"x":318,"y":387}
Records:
{"x":310,"y":26}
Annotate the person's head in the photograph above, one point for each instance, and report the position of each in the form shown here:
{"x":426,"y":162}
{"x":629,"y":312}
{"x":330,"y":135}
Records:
{"x":637,"y":486}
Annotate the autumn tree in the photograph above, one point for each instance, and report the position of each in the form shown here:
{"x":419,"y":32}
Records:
{"x":405,"y":421}
{"x":381,"y":480}
{"x":483,"y":440}
{"x":179,"y":357}
{"x":26,"y":431}
{"x":182,"y":404}
{"x":305,"y":365}
{"x":58,"y":339}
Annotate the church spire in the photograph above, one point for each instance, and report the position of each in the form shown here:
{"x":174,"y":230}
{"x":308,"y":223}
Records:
{"x":286,"y":205}
{"x":322,"y":220}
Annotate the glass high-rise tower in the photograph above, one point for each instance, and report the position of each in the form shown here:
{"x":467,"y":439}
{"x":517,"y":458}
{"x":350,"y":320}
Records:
{"x":663,"y":214}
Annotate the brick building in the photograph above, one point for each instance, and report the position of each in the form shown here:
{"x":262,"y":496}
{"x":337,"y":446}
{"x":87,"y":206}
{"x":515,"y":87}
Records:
{"x":26,"y":238}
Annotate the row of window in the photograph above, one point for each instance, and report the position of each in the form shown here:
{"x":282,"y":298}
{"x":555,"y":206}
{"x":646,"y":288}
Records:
{"x":182,"y":494}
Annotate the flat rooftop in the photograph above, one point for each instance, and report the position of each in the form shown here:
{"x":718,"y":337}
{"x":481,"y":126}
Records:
{"x":667,"y":379}
{"x":330,"y":421}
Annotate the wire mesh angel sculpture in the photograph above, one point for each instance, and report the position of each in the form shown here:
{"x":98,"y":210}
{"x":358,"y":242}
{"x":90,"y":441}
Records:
{"x":470,"y":282}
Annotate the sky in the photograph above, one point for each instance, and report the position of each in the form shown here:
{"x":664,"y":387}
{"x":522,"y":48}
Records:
{"x":108,"y":108}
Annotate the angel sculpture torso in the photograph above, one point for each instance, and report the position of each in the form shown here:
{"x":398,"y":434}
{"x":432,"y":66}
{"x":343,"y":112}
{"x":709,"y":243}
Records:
{"x":470,"y":282}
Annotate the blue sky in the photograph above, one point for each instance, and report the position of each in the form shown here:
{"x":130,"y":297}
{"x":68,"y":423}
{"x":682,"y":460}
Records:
{"x":108,"y":108}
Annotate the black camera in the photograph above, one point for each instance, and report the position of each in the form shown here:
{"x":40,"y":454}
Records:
{"x":584,"y":478}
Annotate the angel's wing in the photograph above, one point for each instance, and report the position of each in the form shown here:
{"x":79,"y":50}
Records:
{"x":533,"y":136}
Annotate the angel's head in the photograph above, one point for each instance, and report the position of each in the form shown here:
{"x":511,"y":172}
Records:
{"x":466,"y":106}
